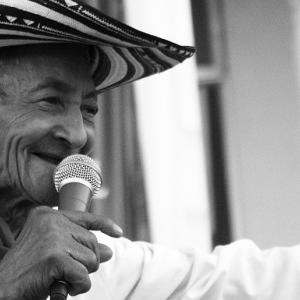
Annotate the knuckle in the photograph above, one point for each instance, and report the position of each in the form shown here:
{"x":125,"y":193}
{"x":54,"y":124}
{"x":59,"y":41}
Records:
{"x":92,"y":240}
{"x":39,"y":210}
{"x":81,"y":285}
{"x":89,"y":261}
{"x":85,"y":284}
{"x":92,"y":263}
{"x":56,"y":257}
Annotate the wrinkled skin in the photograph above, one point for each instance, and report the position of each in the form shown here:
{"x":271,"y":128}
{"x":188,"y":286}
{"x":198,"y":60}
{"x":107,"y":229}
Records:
{"x":47,"y":111}
{"x":47,"y":108}
{"x":51,"y":246}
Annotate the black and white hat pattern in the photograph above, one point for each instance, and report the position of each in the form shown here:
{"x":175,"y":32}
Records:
{"x":126,"y":54}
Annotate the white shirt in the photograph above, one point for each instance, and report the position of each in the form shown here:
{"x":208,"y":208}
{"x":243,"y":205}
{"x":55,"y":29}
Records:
{"x":142,"y":271}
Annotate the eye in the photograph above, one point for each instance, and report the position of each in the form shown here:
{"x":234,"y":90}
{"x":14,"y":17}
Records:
{"x":51,"y":100}
{"x":51,"y":104}
{"x":89,"y":110}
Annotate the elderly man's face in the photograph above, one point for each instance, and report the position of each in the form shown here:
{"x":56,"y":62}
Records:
{"x":47,"y":105}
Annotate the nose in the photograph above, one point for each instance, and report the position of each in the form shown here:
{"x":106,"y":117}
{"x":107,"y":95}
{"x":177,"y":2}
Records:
{"x":71,"y":129}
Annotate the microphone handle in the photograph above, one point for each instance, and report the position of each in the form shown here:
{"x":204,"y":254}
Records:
{"x":72,"y":196}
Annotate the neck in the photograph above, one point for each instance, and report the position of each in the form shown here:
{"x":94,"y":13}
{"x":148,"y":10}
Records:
{"x":14,"y":209}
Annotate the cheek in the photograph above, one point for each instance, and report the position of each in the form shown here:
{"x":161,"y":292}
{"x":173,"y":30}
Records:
{"x":88,"y":148}
{"x":24,"y":126}
{"x":18,"y":169}
{"x":18,"y":136}
{"x":38,"y":182}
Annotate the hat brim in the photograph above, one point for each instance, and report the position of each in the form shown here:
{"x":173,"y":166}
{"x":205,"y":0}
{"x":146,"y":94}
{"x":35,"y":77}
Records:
{"x":123,"y":54}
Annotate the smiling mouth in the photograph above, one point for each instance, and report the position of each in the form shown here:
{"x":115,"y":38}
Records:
{"x":50,"y":158}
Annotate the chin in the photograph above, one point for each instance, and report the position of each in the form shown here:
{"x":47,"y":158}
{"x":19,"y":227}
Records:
{"x":43,"y":195}
{"x":50,"y":199}
{"x":40,"y":190}
{"x":37,"y":182}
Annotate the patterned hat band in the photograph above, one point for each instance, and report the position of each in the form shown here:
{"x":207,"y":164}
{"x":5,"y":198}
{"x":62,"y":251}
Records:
{"x":126,"y":54}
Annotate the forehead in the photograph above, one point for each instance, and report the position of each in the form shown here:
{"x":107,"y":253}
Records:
{"x":25,"y":66}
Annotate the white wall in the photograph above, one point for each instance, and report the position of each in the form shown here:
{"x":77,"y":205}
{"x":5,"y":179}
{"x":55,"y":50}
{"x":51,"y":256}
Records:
{"x":171,"y":133}
{"x":261,"y":105}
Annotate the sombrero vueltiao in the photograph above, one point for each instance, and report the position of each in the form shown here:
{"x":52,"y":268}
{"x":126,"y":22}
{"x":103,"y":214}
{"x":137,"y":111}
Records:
{"x":126,"y":53}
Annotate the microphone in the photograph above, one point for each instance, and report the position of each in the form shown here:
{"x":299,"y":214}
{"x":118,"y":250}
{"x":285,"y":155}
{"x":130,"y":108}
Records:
{"x":77,"y":178}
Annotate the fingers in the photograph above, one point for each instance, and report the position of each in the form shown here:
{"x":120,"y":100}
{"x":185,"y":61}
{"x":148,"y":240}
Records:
{"x":76,"y":275}
{"x":85,"y":256}
{"x":74,"y":268}
{"x":88,"y":258}
{"x":106,"y":253}
{"x":75,"y":227}
{"x":58,"y":246}
{"x":91,"y":221}
{"x":88,"y":239}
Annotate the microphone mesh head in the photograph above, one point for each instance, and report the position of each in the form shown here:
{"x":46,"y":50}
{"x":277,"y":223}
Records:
{"x":81,"y":167}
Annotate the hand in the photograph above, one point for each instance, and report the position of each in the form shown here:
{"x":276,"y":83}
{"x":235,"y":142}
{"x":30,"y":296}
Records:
{"x":54,"y":245}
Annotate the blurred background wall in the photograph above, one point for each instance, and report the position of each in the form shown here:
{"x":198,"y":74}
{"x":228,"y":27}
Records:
{"x":208,"y":152}
{"x":261,"y":119}
{"x":171,"y":133}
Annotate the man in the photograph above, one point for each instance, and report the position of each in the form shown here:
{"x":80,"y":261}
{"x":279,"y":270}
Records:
{"x":47,"y":109}
{"x":55,"y":57}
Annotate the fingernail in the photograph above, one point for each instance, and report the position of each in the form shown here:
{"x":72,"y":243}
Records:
{"x":118,"y":229}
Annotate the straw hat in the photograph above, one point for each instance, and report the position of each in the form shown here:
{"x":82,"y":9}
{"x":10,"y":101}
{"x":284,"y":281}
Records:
{"x":121,"y":54}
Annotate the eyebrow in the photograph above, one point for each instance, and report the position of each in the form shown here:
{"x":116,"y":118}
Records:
{"x":62,"y":86}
